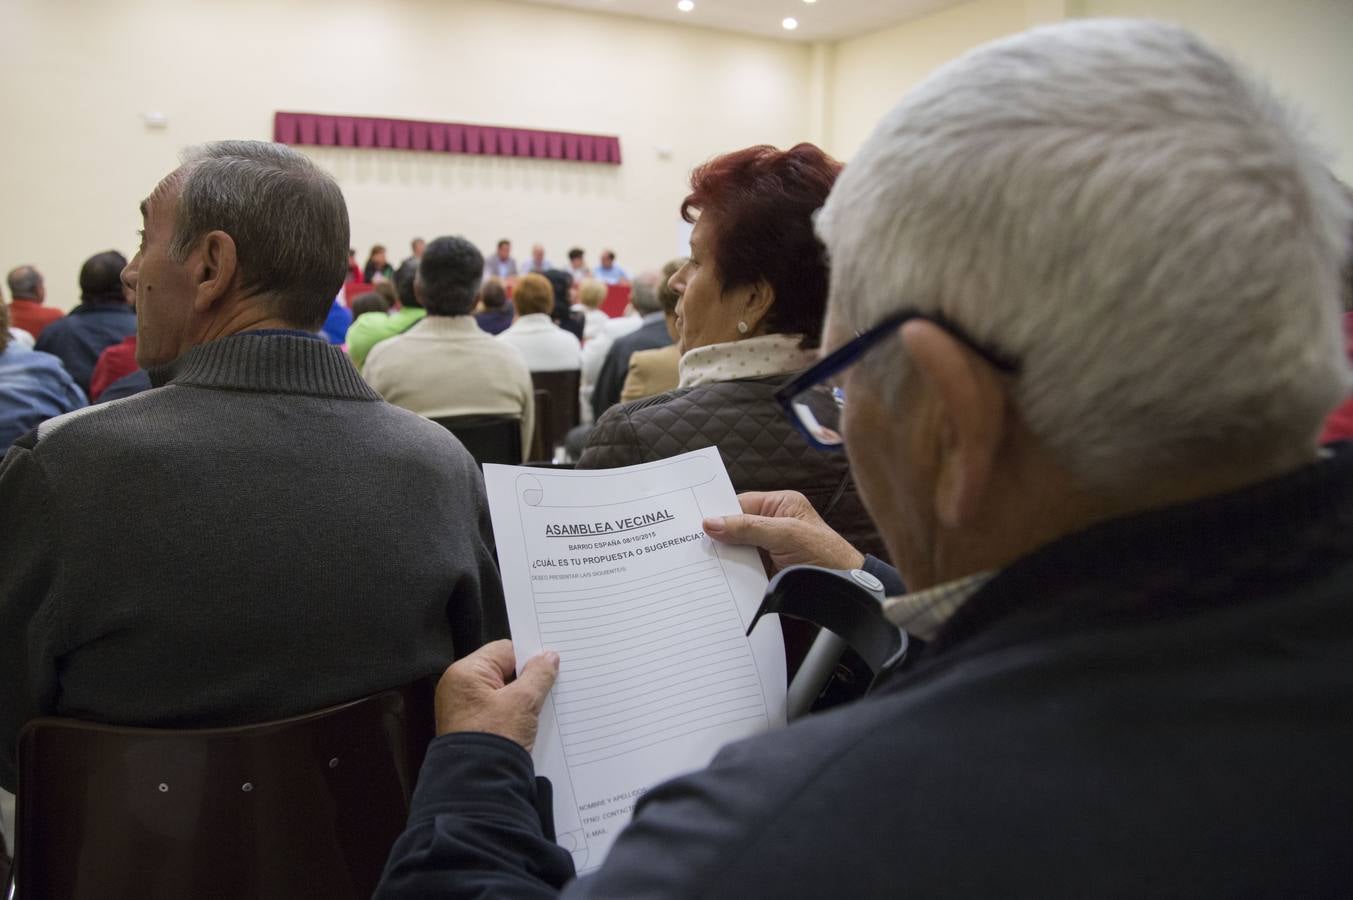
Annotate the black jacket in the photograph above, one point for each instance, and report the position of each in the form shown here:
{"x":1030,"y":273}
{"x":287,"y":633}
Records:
{"x":761,"y":448}
{"x":84,"y":333}
{"x":1161,"y":705}
{"x":611,"y":378}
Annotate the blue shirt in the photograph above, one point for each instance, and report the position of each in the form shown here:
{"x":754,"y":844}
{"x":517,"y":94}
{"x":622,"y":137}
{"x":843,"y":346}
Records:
{"x":88,"y":330}
{"x":611,"y":274}
{"x":336,"y":326}
{"x":34,"y":387}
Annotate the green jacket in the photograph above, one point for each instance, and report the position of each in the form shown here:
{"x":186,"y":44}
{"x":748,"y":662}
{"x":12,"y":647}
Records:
{"x":371,"y":328}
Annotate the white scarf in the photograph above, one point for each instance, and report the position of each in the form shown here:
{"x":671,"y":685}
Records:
{"x":754,"y":357}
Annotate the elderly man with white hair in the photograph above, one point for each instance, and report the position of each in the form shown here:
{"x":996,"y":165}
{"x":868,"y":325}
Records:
{"x":1083,"y":332}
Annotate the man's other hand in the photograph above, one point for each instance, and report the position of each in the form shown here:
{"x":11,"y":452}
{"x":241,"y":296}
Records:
{"x":788,"y":531}
{"x":474,"y":694}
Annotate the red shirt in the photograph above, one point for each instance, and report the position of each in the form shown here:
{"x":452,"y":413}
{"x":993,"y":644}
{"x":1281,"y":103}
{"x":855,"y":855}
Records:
{"x":31,"y":316}
{"x":114,"y":362}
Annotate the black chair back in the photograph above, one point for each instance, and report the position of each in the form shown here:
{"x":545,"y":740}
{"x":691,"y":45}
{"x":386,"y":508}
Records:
{"x":490,"y":439}
{"x":560,"y":414}
{"x":304,"y":807}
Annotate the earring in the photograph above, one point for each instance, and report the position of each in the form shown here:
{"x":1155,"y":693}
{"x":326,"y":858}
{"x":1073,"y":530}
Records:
{"x":742,"y":328}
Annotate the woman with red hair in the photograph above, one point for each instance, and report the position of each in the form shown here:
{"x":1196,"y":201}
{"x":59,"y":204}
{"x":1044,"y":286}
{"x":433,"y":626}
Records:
{"x":753,"y":296}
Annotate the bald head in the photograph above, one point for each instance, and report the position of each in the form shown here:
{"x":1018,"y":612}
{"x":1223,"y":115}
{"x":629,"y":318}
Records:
{"x":25,"y":283}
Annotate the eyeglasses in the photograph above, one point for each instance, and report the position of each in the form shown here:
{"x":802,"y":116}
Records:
{"x":815,"y":406}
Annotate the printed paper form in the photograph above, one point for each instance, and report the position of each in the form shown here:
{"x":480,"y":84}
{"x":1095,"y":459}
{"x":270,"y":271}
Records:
{"x":612,"y":570}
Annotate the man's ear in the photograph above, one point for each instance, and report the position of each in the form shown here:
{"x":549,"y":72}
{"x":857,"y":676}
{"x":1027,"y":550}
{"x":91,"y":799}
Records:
{"x":970,"y":406}
{"x":216,"y":268}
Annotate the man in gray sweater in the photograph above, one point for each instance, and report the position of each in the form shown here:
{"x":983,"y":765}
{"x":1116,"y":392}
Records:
{"x":261,"y":535}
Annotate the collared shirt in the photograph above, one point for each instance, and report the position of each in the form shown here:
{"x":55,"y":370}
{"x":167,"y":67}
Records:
{"x":611,"y":274}
{"x":754,"y":357}
{"x":923,"y":612}
{"x":502,"y":268}
{"x":530,"y":266}
{"x":371,"y":328}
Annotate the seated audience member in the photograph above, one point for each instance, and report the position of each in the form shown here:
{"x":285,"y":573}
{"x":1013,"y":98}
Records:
{"x":446,"y":365}
{"x":657,"y":371}
{"x":563,"y":314}
{"x":1086,"y":330}
{"x":501,"y":264}
{"x":336,"y":324}
{"x":26,"y":310}
{"x":544,"y":345}
{"x":115,"y":362}
{"x":354,"y":269}
{"x":369,"y":330}
{"x":386,"y":289}
{"x":650,"y":335}
{"x":608,"y":271}
{"x":749,"y":315}
{"x":245,"y":597}
{"x":103,"y":318}
{"x":537,"y":263}
{"x":377,"y":267}
{"x":370,"y":303}
{"x":577,"y":265}
{"x":495,"y":312}
{"x":594,"y":357}
{"x":591,"y":294}
{"x":415,"y":252}
{"x":34,"y":387}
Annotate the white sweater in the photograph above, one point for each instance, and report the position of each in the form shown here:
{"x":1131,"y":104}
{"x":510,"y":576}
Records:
{"x":449,"y":366}
{"x":544,"y":345}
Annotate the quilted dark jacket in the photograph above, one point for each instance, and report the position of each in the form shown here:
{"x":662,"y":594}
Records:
{"x":762,"y":450}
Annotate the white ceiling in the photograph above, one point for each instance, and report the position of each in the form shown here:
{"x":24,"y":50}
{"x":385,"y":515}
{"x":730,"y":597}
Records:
{"x":824,"y":20}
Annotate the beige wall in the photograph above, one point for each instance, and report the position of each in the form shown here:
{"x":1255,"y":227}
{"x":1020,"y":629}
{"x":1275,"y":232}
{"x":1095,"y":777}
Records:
{"x":77,"y":75}
{"x":75,"y":78}
{"x":872,"y":72}
{"x":1304,"y":48}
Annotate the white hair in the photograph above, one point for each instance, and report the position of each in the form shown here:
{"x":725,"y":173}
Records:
{"x":1115,"y":205}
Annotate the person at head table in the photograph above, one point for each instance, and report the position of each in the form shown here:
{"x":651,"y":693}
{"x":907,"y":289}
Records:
{"x":501,"y":264}
{"x":1086,"y":330}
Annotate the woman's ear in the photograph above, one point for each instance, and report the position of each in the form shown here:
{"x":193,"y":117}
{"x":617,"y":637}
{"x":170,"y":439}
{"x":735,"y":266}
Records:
{"x":757,"y":303}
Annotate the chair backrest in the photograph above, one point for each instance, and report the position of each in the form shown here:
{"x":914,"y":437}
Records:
{"x":304,"y":807}
{"x":561,"y":412}
{"x":490,"y":439}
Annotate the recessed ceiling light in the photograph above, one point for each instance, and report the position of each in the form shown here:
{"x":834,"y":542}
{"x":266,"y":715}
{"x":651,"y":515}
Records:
{"x":685,"y":5}
{"x":790,"y":24}
{"x":809,"y":1}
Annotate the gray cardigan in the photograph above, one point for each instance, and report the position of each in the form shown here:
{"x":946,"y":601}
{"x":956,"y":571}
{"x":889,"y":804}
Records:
{"x":263,"y":536}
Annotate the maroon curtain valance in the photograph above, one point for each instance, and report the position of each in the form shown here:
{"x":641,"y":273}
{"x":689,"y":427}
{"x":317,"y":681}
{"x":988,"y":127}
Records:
{"x":442,"y":137}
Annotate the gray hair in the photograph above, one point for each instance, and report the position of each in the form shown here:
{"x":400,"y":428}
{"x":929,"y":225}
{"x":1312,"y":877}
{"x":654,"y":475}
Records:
{"x":286,"y":216}
{"x":1115,"y":205}
{"x":24,"y":282}
{"x":644,"y":294}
